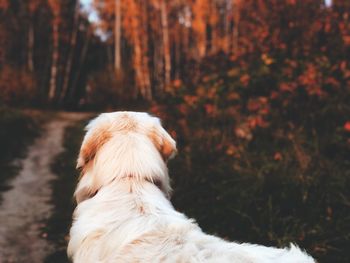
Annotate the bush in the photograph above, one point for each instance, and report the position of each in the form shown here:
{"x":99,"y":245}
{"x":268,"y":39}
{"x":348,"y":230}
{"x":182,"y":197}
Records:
{"x":17,"y":130}
{"x":264,"y":154}
{"x":17,"y":87}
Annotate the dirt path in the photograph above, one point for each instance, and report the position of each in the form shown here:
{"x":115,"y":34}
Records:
{"x":27,"y":203}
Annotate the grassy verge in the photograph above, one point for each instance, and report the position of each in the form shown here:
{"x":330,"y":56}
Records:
{"x":63,"y":188}
{"x":18,"y":129}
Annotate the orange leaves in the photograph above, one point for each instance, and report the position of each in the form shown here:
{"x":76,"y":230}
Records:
{"x":244,"y":79}
{"x":190,"y":100}
{"x":233,"y":96}
{"x":277,"y":156}
{"x":4,"y":4}
{"x":312,"y":79}
{"x":210,"y":109}
{"x":266,"y":59}
{"x":332,"y":82}
{"x":347,"y":126}
{"x":288,"y":87}
{"x":177,"y":83}
{"x":346,"y":40}
{"x":257,"y":121}
{"x":201,"y":91}
{"x":292,"y":2}
{"x":255,"y":104}
{"x":233,"y":72}
{"x":231,"y":150}
{"x":55,"y":7}
{"x":32,"y":5}
{"x":259,"y":106}
{"x":243,"y":132}
{"x":16,"y":86}
{"x":183,"y":109}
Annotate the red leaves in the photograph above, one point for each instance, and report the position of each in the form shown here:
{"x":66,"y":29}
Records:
{"x":190,"y":100}
{"x":257,"y":104}
{"x":243,"y":132}
{"x":287,"y":87}
{"x":177,"y":83}
{"x":210,"y":109}
{"x":291,"y":2}
{"x":277,"y":156}
{"x":257,"y":121}
{"x":231,"y":150}
{"x":266,"y":59}
{"x":4,"y":4}
{"x":244,"y":79}
{"x":347,"y":126}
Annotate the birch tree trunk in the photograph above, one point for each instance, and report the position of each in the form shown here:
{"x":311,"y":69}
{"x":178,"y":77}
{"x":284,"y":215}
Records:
{"x":30,"y":52}
{"x":236,"y":18}
{"x":145,"y":57}
{"x":72,"y":47}
{"x":117,"y":36}
{"x":82,"y":57}
{"x":166,"y":44}
{"x":54,"y":61}
{"x":227,"y":32}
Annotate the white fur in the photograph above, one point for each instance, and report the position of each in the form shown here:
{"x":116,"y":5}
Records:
{"x":130,"y":219}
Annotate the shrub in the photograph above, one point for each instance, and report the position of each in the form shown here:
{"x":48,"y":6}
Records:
{"x":264,"y":154}
{"x":17,"y":87}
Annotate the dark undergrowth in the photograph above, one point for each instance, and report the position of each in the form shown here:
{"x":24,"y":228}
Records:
{"x":261,"y":164}
{"x":18,"y":129}
{"x":63,"y":186}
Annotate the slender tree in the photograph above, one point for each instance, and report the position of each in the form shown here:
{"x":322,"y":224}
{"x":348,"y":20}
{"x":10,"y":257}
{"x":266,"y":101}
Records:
{"x":56,"y":10}
{"x":200,"y":9}
{"x":32,"y":8}
{"x":236,"y":18}
{"x":166,"y":41}
{"x":72,"y":49}
{"x":117,"y":36}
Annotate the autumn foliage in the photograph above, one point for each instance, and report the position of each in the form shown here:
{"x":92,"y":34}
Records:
{"x":256,"y":93}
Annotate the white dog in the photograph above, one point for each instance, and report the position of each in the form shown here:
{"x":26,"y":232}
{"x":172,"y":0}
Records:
{"x":124,"y":213}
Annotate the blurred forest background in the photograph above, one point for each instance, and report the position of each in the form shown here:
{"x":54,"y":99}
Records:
{"x":256,"y":92}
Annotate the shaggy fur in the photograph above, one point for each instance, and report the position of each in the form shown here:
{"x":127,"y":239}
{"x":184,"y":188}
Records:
{"x":123,"y":210}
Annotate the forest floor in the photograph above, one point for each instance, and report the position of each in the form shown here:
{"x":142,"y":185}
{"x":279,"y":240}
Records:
{"x":26,"y":205}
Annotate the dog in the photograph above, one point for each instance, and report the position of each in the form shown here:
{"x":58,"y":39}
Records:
{"x":123,"y":211}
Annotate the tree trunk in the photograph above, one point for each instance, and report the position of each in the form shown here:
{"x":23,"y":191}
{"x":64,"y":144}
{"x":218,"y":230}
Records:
{"x":227,"y":32}
{"x":54,"y":62}
{"x":214,"y":32}
{"x":236,"y":18}
{"x":73,"y":43}
{"x":72,"y":90}
{"x":30,"y":59}
{"x":166,"y":44}
{"x":117,"y":36}
{"x":158,"y":68}
{"x":177,"y":55}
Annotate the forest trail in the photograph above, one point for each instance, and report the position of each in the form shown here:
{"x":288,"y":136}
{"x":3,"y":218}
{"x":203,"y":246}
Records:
{"x":27,"y":204}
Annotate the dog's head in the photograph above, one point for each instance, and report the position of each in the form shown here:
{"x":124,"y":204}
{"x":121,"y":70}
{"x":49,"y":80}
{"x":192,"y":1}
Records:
{"x":123,"y":144}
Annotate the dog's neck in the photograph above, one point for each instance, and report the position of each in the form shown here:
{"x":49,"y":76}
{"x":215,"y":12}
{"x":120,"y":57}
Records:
{"x":87,"y":188}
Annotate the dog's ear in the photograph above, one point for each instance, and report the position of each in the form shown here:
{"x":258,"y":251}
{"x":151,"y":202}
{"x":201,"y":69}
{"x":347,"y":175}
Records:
{"x":92,"y":142}
{"x":94,"y":139}
{"x":165,"y":144}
